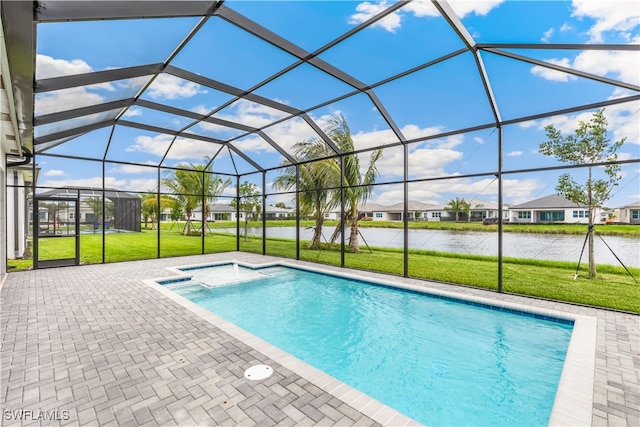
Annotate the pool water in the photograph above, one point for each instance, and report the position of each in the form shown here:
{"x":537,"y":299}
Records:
{"x":438,"y":361}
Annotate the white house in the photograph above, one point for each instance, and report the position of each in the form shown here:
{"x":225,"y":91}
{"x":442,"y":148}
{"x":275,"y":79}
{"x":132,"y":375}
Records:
{"x":375,"y":211}
{"x":273,"y":212}
{"x":226,"y":212}
{"x":217,"y":212}
{"x":630,"y":214}
{"x":550,"y":209}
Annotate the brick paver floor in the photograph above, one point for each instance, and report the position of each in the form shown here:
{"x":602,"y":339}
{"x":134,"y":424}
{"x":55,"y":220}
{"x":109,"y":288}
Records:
{"x":94,"y":345}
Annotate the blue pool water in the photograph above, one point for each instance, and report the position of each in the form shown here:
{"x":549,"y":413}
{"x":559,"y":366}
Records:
{"x":437,"y":360}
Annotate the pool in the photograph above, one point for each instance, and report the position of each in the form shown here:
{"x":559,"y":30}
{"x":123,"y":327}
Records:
{"x":438,"y":360}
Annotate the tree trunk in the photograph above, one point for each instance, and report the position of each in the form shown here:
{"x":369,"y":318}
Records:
{"x":246,"y":228}
{"x":336,"y":232}
{"x":592,"y":259}
{"x":316,"y":241}
{"x":353,"y":239}
{"x":592,"y":211}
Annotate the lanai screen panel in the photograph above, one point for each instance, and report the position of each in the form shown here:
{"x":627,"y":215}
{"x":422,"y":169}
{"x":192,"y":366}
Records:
{"x":466,"y":87}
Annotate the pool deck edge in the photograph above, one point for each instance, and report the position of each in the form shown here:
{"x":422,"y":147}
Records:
{"x":573,"y":403}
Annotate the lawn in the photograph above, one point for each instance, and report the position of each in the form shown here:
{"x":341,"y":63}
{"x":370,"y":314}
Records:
{"x":580,"y":229}
{"x":545,"y":279}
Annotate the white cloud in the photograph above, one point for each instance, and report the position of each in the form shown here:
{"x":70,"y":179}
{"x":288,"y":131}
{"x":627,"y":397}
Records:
{"x":438,"y":192}
{"x":515,"y":153}
{"x":621,"y":65}
{"x":47,"y":67}
{"x":181,"y":149}
{"x":65,"y":99}
{"x":622,"y":120}
{"x":428,"y":162}
{"x":370,"y":139}
{"x":156,"y":145}
{"x":566,"y":27}
{"x":54,"y":172}
{"x":250,"y":114}
{"x":95,"y":181}
{"x":139,"y":184}
{"x":550,"y":74}
{"x":418,"y":8}
{"x":547,"y":35}
{"x":421,"y":8}
{"x":166,"y":86}
{"x":133,"y":112}
{"x":477,"y":7}
{"x":134,"y":169}
{"x":620,"y":16}
{"x":366,"y":10}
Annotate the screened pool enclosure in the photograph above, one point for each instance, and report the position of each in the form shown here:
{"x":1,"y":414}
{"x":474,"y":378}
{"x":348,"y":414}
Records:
{"x":209,"y":113}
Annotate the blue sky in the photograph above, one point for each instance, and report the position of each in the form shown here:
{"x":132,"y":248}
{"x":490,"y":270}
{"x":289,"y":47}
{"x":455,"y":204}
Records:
{"x":441,"y":98}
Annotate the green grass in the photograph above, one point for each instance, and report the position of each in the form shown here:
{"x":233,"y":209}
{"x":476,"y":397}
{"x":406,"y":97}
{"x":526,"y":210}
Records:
{"x":580,"y":229}
{"x":554,"y":280}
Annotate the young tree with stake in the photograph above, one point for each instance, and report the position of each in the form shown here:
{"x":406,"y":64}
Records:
{"x":588,"y":145}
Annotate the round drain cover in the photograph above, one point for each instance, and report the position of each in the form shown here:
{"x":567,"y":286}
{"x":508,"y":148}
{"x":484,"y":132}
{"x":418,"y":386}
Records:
{"x":258,"y":372}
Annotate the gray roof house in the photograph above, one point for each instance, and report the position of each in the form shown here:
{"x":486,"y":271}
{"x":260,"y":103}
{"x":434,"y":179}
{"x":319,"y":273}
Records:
{"x":395,"y":212}
{"x":630,"y":214}
{"x":550,"y":209}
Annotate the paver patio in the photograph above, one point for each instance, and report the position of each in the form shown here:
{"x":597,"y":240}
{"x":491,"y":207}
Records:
{"x":95,"y":345}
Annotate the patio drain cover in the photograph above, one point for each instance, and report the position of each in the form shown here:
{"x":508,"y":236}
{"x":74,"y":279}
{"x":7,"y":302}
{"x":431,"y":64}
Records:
{"x":258,"y":372}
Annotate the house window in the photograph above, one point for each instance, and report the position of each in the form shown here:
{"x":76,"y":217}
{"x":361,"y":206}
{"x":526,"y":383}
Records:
{"x":326,"y":215}
{"x":436,"y":214}
{"x":635,"y":214}
{"x":581,"y":214}
{"x":378,"y":214}
{"x":72,"y":215}
{"x":551,"y":216}
{"x":524,"y":215}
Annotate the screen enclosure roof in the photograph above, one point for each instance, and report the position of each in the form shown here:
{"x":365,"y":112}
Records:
{"x":239,"y":83}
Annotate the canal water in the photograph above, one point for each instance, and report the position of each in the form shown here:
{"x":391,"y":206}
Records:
{"x":559,"y":247}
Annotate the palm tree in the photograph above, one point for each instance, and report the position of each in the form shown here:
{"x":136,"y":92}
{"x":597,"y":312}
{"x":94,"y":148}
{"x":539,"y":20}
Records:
{"x":151,"y":210}
{"x":320,"y":180}
{"x":194,"y":185}
{"x":457,"y":206}
{"x":358,"y":186}
{"x":96,"y":203}
{"x":467,"y":209}
{"x":313,"y":183}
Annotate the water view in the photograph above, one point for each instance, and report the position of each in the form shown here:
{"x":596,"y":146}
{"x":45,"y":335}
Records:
{"x":559,"y":247}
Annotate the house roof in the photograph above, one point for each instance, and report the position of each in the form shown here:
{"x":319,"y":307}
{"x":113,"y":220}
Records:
{"x":71,"y":191}
{"x":553,"y":201}
{"x":224,"y":208}
{"x":631,"y":205}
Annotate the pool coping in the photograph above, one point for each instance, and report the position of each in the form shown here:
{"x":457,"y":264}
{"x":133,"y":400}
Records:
{"x":574,"y":397}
